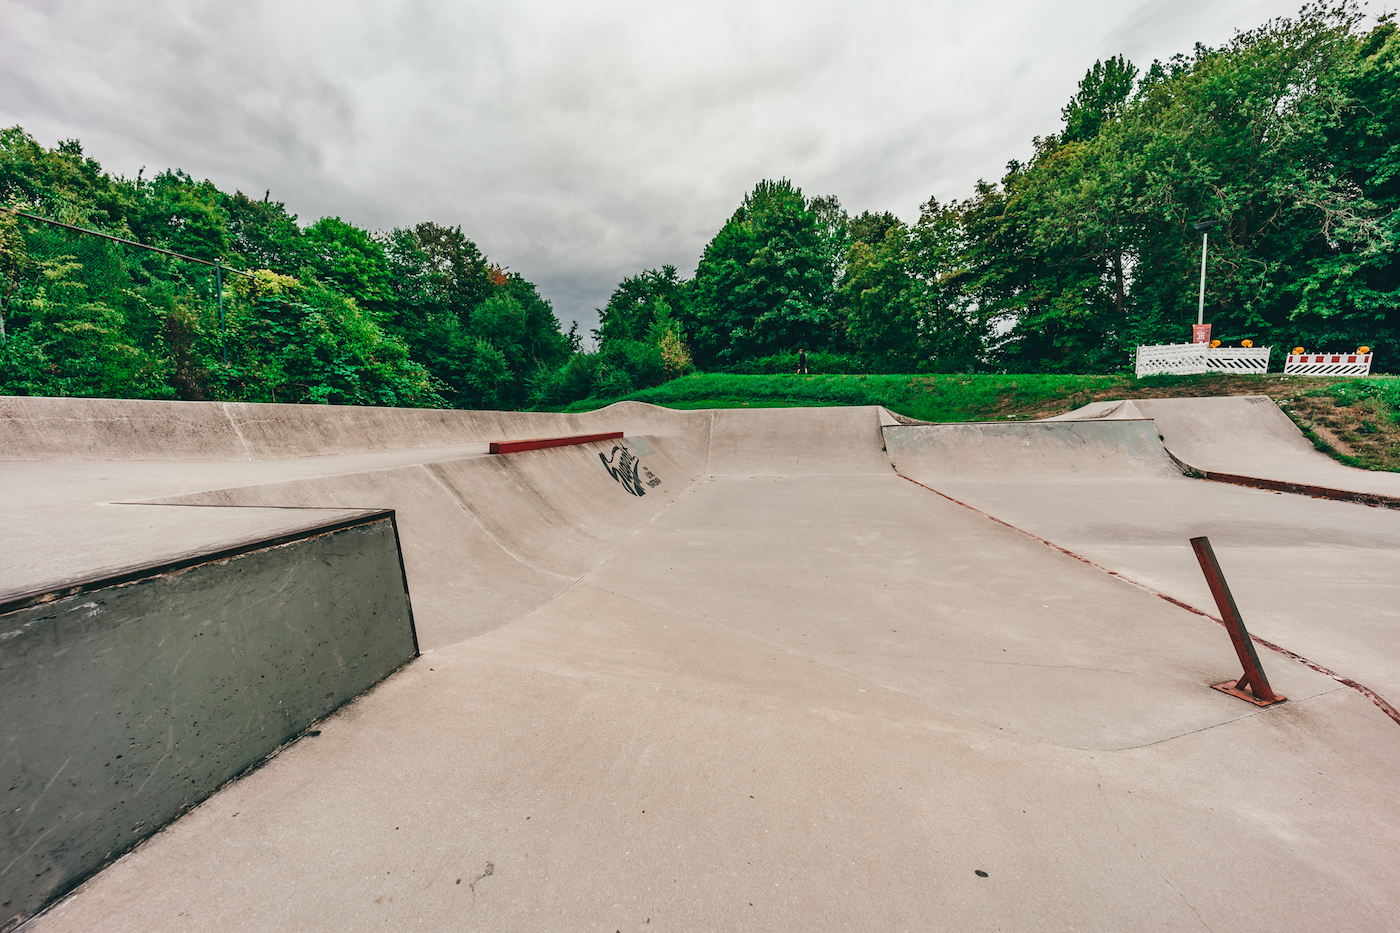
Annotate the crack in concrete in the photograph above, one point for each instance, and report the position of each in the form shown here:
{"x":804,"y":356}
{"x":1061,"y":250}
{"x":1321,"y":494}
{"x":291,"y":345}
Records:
{"x":1108,"y":806}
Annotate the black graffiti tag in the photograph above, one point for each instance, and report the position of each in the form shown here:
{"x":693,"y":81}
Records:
{"x":623,"y":467}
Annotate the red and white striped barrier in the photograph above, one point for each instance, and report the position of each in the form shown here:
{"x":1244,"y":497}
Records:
{"x":1328,"y":364}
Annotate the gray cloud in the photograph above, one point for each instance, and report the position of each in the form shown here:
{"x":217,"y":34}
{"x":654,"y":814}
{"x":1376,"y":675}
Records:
{"x":575,"y":142}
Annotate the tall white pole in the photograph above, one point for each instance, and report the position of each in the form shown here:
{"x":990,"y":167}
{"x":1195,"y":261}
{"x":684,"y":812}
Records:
{"x":1201,"y":307}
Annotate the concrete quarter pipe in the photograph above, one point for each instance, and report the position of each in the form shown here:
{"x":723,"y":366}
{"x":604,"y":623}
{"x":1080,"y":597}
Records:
{"x":785,"y":687}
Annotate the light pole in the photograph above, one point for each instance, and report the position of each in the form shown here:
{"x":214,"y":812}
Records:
{"x":1205,"y":226}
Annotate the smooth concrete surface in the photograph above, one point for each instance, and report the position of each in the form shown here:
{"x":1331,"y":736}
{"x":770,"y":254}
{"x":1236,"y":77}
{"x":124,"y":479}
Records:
{"x":1319,"y":577}
{"x":1241,"y":435}
{"x":127,"y":704}
{"x":529,"y":522}
{"x":791,"y":689}
{"x":792,"y":441}
{"x":1031,"y":450}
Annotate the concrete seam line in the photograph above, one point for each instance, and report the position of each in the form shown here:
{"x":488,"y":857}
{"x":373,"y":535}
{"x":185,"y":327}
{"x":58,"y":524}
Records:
{"x":1362,"y":689}
{"x":238,"y":432}
{"x":710,"y":446}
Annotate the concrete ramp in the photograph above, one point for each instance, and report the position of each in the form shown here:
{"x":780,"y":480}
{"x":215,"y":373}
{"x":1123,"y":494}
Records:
{"x":1105,"y":489}
{"x":1241,"y":438}
{"x":734,"y":672}
{"x":115,"y":430}
{"x":1096,"y":411}
{"x":530,"y":523}
{"x":1087,"y":450}
{"x":791,"y":441}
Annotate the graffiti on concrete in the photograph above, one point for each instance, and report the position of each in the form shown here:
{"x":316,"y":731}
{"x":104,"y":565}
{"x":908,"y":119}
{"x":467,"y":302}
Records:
{"x":624,"y":467}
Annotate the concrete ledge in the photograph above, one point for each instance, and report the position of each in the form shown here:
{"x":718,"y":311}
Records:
{"x":129,"y":700}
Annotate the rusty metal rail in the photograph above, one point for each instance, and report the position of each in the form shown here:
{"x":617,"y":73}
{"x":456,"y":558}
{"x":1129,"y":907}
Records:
{"x":1259,"y":693}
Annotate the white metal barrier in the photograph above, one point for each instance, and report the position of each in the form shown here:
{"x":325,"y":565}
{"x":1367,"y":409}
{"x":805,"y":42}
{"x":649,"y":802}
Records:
{"x":1191,"y":358}
{"x":1328,"y":364}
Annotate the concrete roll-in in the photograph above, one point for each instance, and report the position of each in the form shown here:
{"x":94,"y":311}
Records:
{"x":486,"y":539}
{"x":1104,"y":489}
{"x":68,"y":429}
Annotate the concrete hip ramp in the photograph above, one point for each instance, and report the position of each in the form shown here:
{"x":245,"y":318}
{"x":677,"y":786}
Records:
{"x":1242,"y":438}
{"x":771,"y":668}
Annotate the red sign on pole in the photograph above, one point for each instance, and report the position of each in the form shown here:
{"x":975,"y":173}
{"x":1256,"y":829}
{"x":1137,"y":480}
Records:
{"x":1200,"y":333}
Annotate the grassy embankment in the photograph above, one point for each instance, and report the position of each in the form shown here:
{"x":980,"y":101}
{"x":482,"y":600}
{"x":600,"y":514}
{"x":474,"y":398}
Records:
{"x":1355,"y":420}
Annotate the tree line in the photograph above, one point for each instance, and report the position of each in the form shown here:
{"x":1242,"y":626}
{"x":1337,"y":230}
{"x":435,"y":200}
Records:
{"x":1288,"y":137}
{"x":331,"y":312}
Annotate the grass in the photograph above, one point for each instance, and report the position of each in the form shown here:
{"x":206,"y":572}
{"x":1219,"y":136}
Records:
{"x":927,"y":398}
{"x":1355,"y":420}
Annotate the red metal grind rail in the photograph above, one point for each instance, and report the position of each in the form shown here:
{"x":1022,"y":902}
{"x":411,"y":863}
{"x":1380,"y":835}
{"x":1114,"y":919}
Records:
{"x":540,"y":443}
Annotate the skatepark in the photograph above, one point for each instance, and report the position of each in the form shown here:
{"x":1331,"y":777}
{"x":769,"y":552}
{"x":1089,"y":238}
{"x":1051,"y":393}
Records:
{"x":808,"y":668}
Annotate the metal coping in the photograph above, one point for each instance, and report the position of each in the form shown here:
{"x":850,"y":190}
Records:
{"x":1042,"y":422}
{"x":1373,"y":499}
{"x":50,"y":594}
{"x":540,"y":443}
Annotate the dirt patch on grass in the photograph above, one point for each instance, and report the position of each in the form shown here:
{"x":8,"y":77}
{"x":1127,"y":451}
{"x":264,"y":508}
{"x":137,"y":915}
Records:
{"x":1361,"y":434}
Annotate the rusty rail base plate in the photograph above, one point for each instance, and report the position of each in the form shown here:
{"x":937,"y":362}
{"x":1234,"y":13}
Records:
{"x":1230,"y":688}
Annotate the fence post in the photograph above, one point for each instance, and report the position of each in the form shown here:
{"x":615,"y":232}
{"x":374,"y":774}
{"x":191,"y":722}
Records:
{"x":219,"y":278}
{"x":1261,"y":694}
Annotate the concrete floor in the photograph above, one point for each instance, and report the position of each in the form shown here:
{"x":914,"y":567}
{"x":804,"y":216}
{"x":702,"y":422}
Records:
{"x":791,"y":689}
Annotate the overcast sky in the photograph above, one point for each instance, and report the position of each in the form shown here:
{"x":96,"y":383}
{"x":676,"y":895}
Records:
{"x":575,"y":142}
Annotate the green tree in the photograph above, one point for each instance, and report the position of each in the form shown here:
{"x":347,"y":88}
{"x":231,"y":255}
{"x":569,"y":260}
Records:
{"x":1253,"y":135}
{"x":1103,"y":94}
{"x":336,"y":314}
{"x":350,"y":260}
{"x":641,"y":301}
{"x":956,"y":330}
{"x":881,"y":295}
{"x":767,"y":281}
